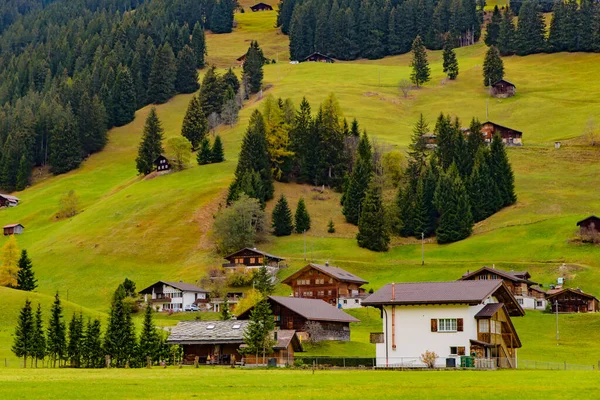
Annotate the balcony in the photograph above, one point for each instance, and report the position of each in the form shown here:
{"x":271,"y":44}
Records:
{"x":161,"y":300}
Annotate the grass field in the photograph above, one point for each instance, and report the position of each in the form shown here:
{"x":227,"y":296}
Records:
{"x":150,"y":229}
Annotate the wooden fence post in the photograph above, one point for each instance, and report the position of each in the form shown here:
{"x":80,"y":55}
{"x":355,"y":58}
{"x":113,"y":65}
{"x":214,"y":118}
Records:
{"x":148,"y":362}
{"x":107,"y":361}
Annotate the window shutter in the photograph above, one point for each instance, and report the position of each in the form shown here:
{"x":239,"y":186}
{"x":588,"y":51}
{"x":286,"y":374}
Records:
{"x":433,"y":325}
{"x":461,"y":351}
{"x":459,"y":325}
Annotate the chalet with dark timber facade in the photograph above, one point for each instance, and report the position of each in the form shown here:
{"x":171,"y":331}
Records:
{"x":248,"y":259}
{"x":589,"y":225}
{"x":318,"y":57}
{"x":287,"y":343}
{"x":261,"y":7}
{"x":527,"y":293}
{"x":503,"y":88}
{"x":13,"y":229}
{"x":163,"y":163}
{"x":510,"y":137}
{"x":330,"y":284}
{"x":293,"y":313}
{"x":573,"y":301}
{"x":8,"y":200}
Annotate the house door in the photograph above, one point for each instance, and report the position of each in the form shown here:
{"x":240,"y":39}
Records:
{"x":290,"y":323}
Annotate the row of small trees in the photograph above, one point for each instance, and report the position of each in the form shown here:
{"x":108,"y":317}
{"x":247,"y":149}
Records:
{"x":282,"y":222}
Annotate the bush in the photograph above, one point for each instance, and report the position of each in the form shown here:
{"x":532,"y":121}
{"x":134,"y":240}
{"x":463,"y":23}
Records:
{"x":239,"y":279}
{"x":298,"y":363}
{"x":428,"y":358}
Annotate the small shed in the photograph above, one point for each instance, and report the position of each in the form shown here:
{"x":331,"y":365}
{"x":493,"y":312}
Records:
{"x":318,"y":57}
{"x":589,"y":225}
{"x":241,"y":60}
{"x":573,"y":301}
{"x":261,"y":7}
{"x":503,"y":88}
{"x":8,"y":200}
{"x":163,"y":163}
{"x":13,"y":229}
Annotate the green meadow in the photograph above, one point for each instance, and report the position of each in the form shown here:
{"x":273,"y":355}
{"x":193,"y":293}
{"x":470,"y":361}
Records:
{"x":148,"y":229}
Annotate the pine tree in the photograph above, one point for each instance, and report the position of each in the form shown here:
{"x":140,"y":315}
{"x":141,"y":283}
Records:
{"x":25,"y":277}
{"x":211,"y":92}
{"x":484,"y":196}
{"x":330,"y":227}
{"x":263,"y":282}
{"x":93,"y":355}
{"x":123,"y":97}
{"x":195,"y":125}
{"x":149,"y":338}
{"x":187,"y":73}
{"x":358,"y":181}
{"x":253,"y":67}
{"x":424,"y":217}
{"x":452,"y":202}
{"x":475,"y":139}
{"x":75,"y":344}
{"x":506,"y":34}
{"x":417,"y":149}
{"x":446,"y":136}
{"x":119,"y":338}
{"x":301,"y":218}
{"x":502,"y":171}
{"x":39,"y":338}
{"x":161,"y":84}
{"x":217,"y":152}
{"x":230,"y":80}
{"x":23,"y":173}
{"x":405,"y":203}
{"x":450,"y":62}
{"x":493,"y":67}
{"x":24,"y":344}
{"x":420,"y":67}
{"x":493,"y":28}
{"x":282,"y":218}
{"x":225,"y":311}
{"x":204,"y":154}
{"x":221,"y":18}
{"x":258,"y":332}
{"x":199,"y":45}
{"x":151,"y":145}
{"x":530,"y":35}
{"x":65,"y":148}
{"x":56,"y":339}
{"x":373,"y":231}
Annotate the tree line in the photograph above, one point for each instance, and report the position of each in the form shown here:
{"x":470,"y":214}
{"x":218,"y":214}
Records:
{"x":73,"y":69}
{"x":351,"y":29}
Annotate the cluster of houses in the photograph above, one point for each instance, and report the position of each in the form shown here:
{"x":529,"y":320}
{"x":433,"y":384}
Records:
{"x":466,"y":322}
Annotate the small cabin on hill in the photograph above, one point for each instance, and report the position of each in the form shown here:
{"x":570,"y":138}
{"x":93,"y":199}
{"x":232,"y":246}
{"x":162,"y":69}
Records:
{"x":13,"y":229}
{"x":8,"y":200}
{"x":318,"y":57}
{"x":510,"y":137}
{"x":261,"y":7}
{"x":250,"y":259}
{"x":241,"y":60}
{"x":573,"y":301}
{"x":163,"y":163}
{"x":589,"y":225}
{"x":503,"y":88}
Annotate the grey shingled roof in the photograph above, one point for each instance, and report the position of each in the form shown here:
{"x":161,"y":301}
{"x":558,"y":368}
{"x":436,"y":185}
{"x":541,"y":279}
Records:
{"x":313,"y":309}
{"x":489,"y":310}
{"x":9,"y":197}
{"x":335,"y":272}
{"x":200,"y":332}
{"x":455,"y":292}
{"x":511,"y":276}
{"x":184,"y":287}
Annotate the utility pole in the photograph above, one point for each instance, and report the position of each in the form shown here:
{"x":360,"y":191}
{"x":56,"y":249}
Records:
{"x":305,"y":245}
{"x":556,"y":309}
{"x":422,"y":248}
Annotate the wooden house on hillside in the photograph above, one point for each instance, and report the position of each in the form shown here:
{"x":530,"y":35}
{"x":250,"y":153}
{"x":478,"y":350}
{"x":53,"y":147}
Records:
{"x":503,"y":88}
{"x":510,"y":137}
{"x":330,"y":284}
{"x":589,"y":225}
{"x":8,"y":200}
{"x":572,"y":301}
{"x":249,"y":259}
{"x":261,"y":7}
{"x":13,"y":229}
{"x":163,"y":163}
{"x":318,"y":57}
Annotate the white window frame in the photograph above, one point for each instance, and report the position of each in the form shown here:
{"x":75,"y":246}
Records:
{"x":447,"y":325}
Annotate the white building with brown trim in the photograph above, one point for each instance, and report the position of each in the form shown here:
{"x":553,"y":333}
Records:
{"x":174,"y":296}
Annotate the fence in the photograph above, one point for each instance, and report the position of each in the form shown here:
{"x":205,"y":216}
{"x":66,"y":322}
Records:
{"x":344,"y":362}
{"x":553,"y":365}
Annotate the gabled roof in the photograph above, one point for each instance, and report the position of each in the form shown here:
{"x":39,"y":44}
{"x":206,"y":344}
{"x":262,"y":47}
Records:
{"x":574,"y":291}
{"x":489,"y":310}
{"x":311,"y":309}
{"x":317,"y":54}
{"x":261,"y":4}
{"x":588,"y":218}
{"x":255,"y":250}
{"x":13,"y":226}
{"x":511,"y":276}
{"x":241,"y":58}
{"x":537,"y":289}
{"x":333,"y":272}
{"x":505,"y":81}
{"x":184,"y":287}
{"x":9,"y":197}
{"x":285,"y":337}
{"x":165,"y":157}
{"x":501,"y":126}
{"x":208,"y":332}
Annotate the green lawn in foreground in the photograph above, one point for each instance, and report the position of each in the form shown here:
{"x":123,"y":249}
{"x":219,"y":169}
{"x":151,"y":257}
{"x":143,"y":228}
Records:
{"x":225,"y":383}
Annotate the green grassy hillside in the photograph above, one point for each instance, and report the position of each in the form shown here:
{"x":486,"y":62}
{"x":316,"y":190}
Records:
{"x":150,"y":229}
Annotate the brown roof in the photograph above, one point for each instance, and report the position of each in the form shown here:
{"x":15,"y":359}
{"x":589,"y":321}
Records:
{"x":489,"y":310}
{"x":284,"y":337}
{"x":311,"y":309}
{"x":255,"y":250}
{"x":334,"y":272}
{"x":511,"y":276}
{"x":538,"y":289}
{"x":588,"y":218}
{"x":574,"y":291}
{"x":505,"y":81}
{"x":184,"y":287}
{"x":501,"y":126}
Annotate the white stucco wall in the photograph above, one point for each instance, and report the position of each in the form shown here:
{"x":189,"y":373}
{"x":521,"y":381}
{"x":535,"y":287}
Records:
{"x":530,"y":303}
{"x":351,"y":302}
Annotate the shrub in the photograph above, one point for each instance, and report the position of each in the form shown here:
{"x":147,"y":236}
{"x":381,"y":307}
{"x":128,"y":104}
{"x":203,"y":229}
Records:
{"x":428,"y":358}
{"x":239,"y":279}
{"x":298,"y":363}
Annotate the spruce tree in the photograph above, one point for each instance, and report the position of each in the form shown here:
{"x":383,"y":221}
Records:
{"x":161,"y":84}
{"x":230,"y":80}
{"x":420,"y":67}
{"x":39,"y":337}
{"x":330,"y":226}
{"x":199,"y":45}
{"x":484,"y":196}
{"x":149,"y":338}
{"x":263,"y":282}
{"x":56,"y":339}
{"x":226,"y":314}
{"x":450,"y":63}
{"x":93,"y":354}
{"x":217,"y":152}
{"x":373,"y":231}
{"x":475,"y":139}
{"x":452,"y":203}
{"x":493,"y":67}
{"x":75,"y":344}
{"x":446,"y":136}
{"x":65,"y":147}
{"x":151,"y":145}
{"x":493,"y":28}
{"x":502,"y":170}
{"x":187,"y":73}
{"x":23,"y":173}
{"x":257,"y":336}
{"x":119,"y":338}
{"x":25,"y":276}
{"x":204,"y":154}
{"x":24,"y":342}
{"x":417,"y":149}
{"x":358,"y":181}
{"x":405,"y":203}
{"x":301,"y":218}
{"x":423,"y":223}
{"x":253,"y":67}
{"x":282,"y":218}
{"x":123,"y":97}
{"x":195,"y":125}
{"x":506,"y":34}
{"x":531,"y":29}
{"x":211,"y":92}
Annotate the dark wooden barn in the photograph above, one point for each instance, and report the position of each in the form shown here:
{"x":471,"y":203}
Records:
{"x":252,"y":258}
{"x":163,"y":163}
{"x":510,"y":137}
{"x":13,"y":229}
{"x":503,"y":88}
{"x":589,"y":225}
{"x":318,"y":57}
{"x":572,"y":301}
{"x":261,"y":7}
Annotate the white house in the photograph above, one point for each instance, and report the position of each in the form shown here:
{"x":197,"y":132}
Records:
{"x":175,"y":296}
{"x":452,"y":319}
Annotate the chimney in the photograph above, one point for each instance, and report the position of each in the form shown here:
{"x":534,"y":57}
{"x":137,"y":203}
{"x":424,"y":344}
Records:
{"x":327,"y":263}
{"x":393,"y":291}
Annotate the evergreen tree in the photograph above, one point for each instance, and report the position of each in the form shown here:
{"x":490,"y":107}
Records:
{"x":230,"y":80}
{"x":282,"y":218}
{"x":211,"y":92}
{"x":506,"y":34}
{"x":149,"y":338}
{"x":331,"y":163}
{"x":475,"y":140}
{"x":300,"y":137}
{"x":257,"y":336}
{"x":161,"y":84}
{"x":151,"y":145}
{"x":424,"y":214}
{"x":446,"y":136}
{"x":56,"y":339}
{"x":253,"y":67}
{"x":24,"y":342}
{"x":195,"y":125}
{"x":450,"y":62}
{"x":452,"y":202}
{"x":39,"y":338}
{"x":65,"y":148}
{"x":119,"y":338}
{"x":263,"y":282}
{"x":221,"y":18}
{"x":530,"y":35}
{"x":204,"y":154}
{"x":358,"y":182}
{"x":93,"y":355}
{"x":493,"y":67}
{"x":301,"y":218}
{"x":373,"y":227}
{"x":330,"y":227}
{"x":25,"y":276}
{"x":75,"y":344}
{"x":484,"y":196}
{"x":123,"y":98}
{"x":217,"y":152}
{"x":493,"y":28}
{"x":420,"y":67}
{"x":187,"y":73}
{"x":24,"y":173}
{"x":225,"y":311}
{"x":417,"y":149}
{"x":199,"y":45}
{"x":502,"y":172}
{"x":405,"y":203}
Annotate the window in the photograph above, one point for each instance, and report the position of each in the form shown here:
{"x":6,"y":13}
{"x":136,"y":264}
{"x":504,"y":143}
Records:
{"x":321,"y":293}
{"x":345,"y":301}
{"x":453,"y":350}
{"x":484,"y":325}
{"x":447,"y":325}
{"x":356,"y":301}
{"x":252,"y":260}
{"x":329,"y":292}
{"x":330,"y":280}
{"x":539,"y":303}
{"x":483,"y":277}
{"x":520,"y":301}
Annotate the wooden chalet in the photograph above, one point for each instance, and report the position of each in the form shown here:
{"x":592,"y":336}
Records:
{"x":318,"y":57}
{"x":589,"y":225}
{"x":13,"y":229}
{"x":261,"y":7}
{"x":248,"y":258}
{"x":163,"y":163}
{"x":287,"y":343}
{"x":510,"y":137}
{"x":503,"y":88}
{"x":8,"y":200}
{"x":293,"y":313}
{"x":527,"y":293}
{"x":572,"y":301}
{"x":330,"y":284}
